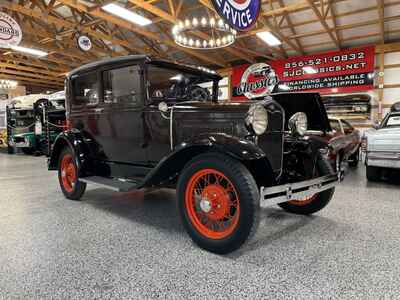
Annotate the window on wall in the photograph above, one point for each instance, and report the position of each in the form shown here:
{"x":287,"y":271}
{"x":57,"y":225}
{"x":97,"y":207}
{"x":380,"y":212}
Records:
{"x":122,"y":86}
{"x":85,"y":89}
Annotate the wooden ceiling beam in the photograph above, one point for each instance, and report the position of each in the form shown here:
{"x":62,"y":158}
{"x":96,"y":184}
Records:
{"x":173,"y":20}
{"x":137,"y":29}
{"x":27,"y":79}
{"x":333,"y":15}
{"x":323,"y":22}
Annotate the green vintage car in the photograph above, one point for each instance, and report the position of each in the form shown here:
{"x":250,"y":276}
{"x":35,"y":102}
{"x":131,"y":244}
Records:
{"x":34,"y":121}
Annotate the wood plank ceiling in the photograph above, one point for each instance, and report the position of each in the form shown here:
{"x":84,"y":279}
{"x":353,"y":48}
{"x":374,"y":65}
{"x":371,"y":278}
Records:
{"x":303,"y":26}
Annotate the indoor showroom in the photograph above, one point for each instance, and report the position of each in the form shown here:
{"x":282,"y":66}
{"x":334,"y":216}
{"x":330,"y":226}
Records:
{"x":199,"y":149}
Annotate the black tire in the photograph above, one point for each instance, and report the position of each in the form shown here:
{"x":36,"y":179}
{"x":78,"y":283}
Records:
{"x":373,"y":173}
{"x":10,"y":149}
{"x":354,"y":158}
{"x":246,"y":191}
{"x":77,"y":189}
{"x":28,"y":151}
{"x":318,"y":201}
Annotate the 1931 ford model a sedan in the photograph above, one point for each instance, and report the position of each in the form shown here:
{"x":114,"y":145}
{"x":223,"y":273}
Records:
{"x":135,"y":122}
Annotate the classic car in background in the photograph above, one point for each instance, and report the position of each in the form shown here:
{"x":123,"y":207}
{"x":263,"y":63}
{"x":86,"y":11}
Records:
{"x":126,"y":130}
{"x":344,"y":141}
{"x":348,"y":105}
{"x":382,"y":145}
{"x":27,"y":119}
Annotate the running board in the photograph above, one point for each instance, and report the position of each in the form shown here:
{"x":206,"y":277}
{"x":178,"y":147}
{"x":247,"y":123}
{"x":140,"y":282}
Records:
{"x":117,"y":185}
{"x":298,"y":190}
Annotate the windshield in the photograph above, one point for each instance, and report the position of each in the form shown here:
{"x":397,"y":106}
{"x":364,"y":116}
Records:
{"x":169,"y":85}
{"x":392,"y":121}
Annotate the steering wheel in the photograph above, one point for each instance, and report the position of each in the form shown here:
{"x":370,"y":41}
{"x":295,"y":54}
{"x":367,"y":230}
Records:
{"x":198,"y":93}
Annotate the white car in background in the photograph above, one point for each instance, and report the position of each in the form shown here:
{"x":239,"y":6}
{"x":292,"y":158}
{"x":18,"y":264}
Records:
{"x":382,"y":146}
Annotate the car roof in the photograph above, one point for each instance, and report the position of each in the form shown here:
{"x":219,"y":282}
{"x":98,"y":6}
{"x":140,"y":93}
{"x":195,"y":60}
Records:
{"x":137,"y":58}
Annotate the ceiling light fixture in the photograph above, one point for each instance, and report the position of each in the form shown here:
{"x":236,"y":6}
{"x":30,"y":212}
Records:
{"x":221,"y":34}
{"x":309,"y":70}
{"x":31,"y":51}
{"x":126,"y":14}
{"x":269,"y":38}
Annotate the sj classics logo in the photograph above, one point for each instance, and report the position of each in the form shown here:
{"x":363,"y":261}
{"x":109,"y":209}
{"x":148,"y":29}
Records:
{"x":239,"y":14}
{"x":258,"y":80}
{"x":10,"y":32}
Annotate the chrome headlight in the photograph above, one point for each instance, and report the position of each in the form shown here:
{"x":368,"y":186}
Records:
{"x":257,"y":118}
{"x":298,"y":123}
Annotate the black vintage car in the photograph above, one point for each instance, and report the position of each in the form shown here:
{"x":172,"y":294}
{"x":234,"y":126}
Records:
{"x":135,"y":122}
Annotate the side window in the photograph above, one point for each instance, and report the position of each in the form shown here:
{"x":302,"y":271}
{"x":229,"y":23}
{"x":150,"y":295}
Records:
{"x":85,"y":90}
{"x":335,"y":125}
{"x":347,"y":127}
{"x":122,"y":86}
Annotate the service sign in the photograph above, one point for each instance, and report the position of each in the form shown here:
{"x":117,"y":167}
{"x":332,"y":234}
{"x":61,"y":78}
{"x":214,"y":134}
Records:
{"x":10,"y":31}
{"x":239,"y":14}
{"x":328,"y":73}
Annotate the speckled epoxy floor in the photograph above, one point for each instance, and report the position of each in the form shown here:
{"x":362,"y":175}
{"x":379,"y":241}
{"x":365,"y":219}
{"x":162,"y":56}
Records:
{"x":119,"y":246}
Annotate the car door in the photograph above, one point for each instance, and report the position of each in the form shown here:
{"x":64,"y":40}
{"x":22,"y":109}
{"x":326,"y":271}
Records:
{"x":352,"y":137}
{"x":120,"y":120}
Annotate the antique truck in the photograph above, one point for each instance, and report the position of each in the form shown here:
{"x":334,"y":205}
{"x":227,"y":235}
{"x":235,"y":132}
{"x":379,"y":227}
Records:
{"x":136,"y":122}
{"x":34,"y":122}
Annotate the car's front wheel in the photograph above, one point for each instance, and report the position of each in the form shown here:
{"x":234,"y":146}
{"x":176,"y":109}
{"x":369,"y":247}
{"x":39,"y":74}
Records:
{"x":315,"y":202}
{"x":218,"y":202}
{"x":373,"y":173}
{"x":71,"y":187}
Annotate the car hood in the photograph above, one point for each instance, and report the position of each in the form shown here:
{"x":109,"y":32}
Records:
{"x":309,"y":103}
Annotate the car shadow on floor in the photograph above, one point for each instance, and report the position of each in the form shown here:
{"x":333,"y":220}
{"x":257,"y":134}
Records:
{"x":158,"y":209}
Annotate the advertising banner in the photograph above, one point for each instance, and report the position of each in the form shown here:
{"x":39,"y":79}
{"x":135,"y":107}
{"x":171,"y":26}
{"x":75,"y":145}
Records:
{"x":344,"y":71}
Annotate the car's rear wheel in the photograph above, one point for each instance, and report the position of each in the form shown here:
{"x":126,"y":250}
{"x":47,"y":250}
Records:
{"x":71,"y":187}
{"x":354,"y":158}
{"x":315,"y":202}
{"x":373,"y":173}
{"x":218,"y":202}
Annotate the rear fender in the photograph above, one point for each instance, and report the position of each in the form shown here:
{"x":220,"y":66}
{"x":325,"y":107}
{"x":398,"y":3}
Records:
{"x":168,"y":169}
{"x":76,"y":142}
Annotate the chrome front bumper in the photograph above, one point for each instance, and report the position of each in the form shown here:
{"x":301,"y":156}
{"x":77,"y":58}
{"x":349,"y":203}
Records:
{"x":298,"y":190}
{"x":383,"y":159}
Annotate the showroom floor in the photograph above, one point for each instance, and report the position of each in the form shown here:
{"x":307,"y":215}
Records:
{"x":118,"y":246}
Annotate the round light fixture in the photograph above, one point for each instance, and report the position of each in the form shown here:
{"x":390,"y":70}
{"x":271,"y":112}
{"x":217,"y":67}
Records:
{"x":219,"y":34}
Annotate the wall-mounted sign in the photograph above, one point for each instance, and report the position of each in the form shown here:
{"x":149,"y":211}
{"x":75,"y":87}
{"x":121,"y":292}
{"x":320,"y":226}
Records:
{"x":344,"y":71}
{"x":239,"y":14}
{"x":84,"y":43}
{"x":10,"y":31}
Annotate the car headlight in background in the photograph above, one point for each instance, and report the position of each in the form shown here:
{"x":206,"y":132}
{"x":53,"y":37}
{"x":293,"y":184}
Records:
{"x":298,"y":123}
{"x":257,"y":118}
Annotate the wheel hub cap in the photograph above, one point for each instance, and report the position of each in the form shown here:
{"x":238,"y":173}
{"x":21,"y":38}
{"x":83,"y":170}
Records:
{"x":205,"y":205}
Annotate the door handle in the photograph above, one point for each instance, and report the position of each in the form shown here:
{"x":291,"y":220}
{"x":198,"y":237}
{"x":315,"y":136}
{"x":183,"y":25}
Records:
{"x":98,"y":110}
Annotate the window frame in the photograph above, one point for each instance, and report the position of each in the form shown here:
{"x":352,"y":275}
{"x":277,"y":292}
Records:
{"x":141,"y":93}
{"x":74,"y":105}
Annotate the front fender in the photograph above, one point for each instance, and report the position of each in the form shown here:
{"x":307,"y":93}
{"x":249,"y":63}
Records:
{"x":76,"y":142}
{"x":169,"y":167}
{"x":238,"y":148}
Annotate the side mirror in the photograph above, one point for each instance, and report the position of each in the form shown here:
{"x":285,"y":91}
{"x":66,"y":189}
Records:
{"x":163,"y":107}
{"x":376,"y":125}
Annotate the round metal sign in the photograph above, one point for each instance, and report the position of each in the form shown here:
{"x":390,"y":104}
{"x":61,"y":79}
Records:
{"x":239,"y":14}
{"x":84,"y":43}
{"x":10,"y":31}
{"x":258,"y":80}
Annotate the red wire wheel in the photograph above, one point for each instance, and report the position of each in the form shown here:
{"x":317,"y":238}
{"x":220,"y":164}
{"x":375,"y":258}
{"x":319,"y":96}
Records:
{"x":212,"y":204}
{"x":68,"y":173}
